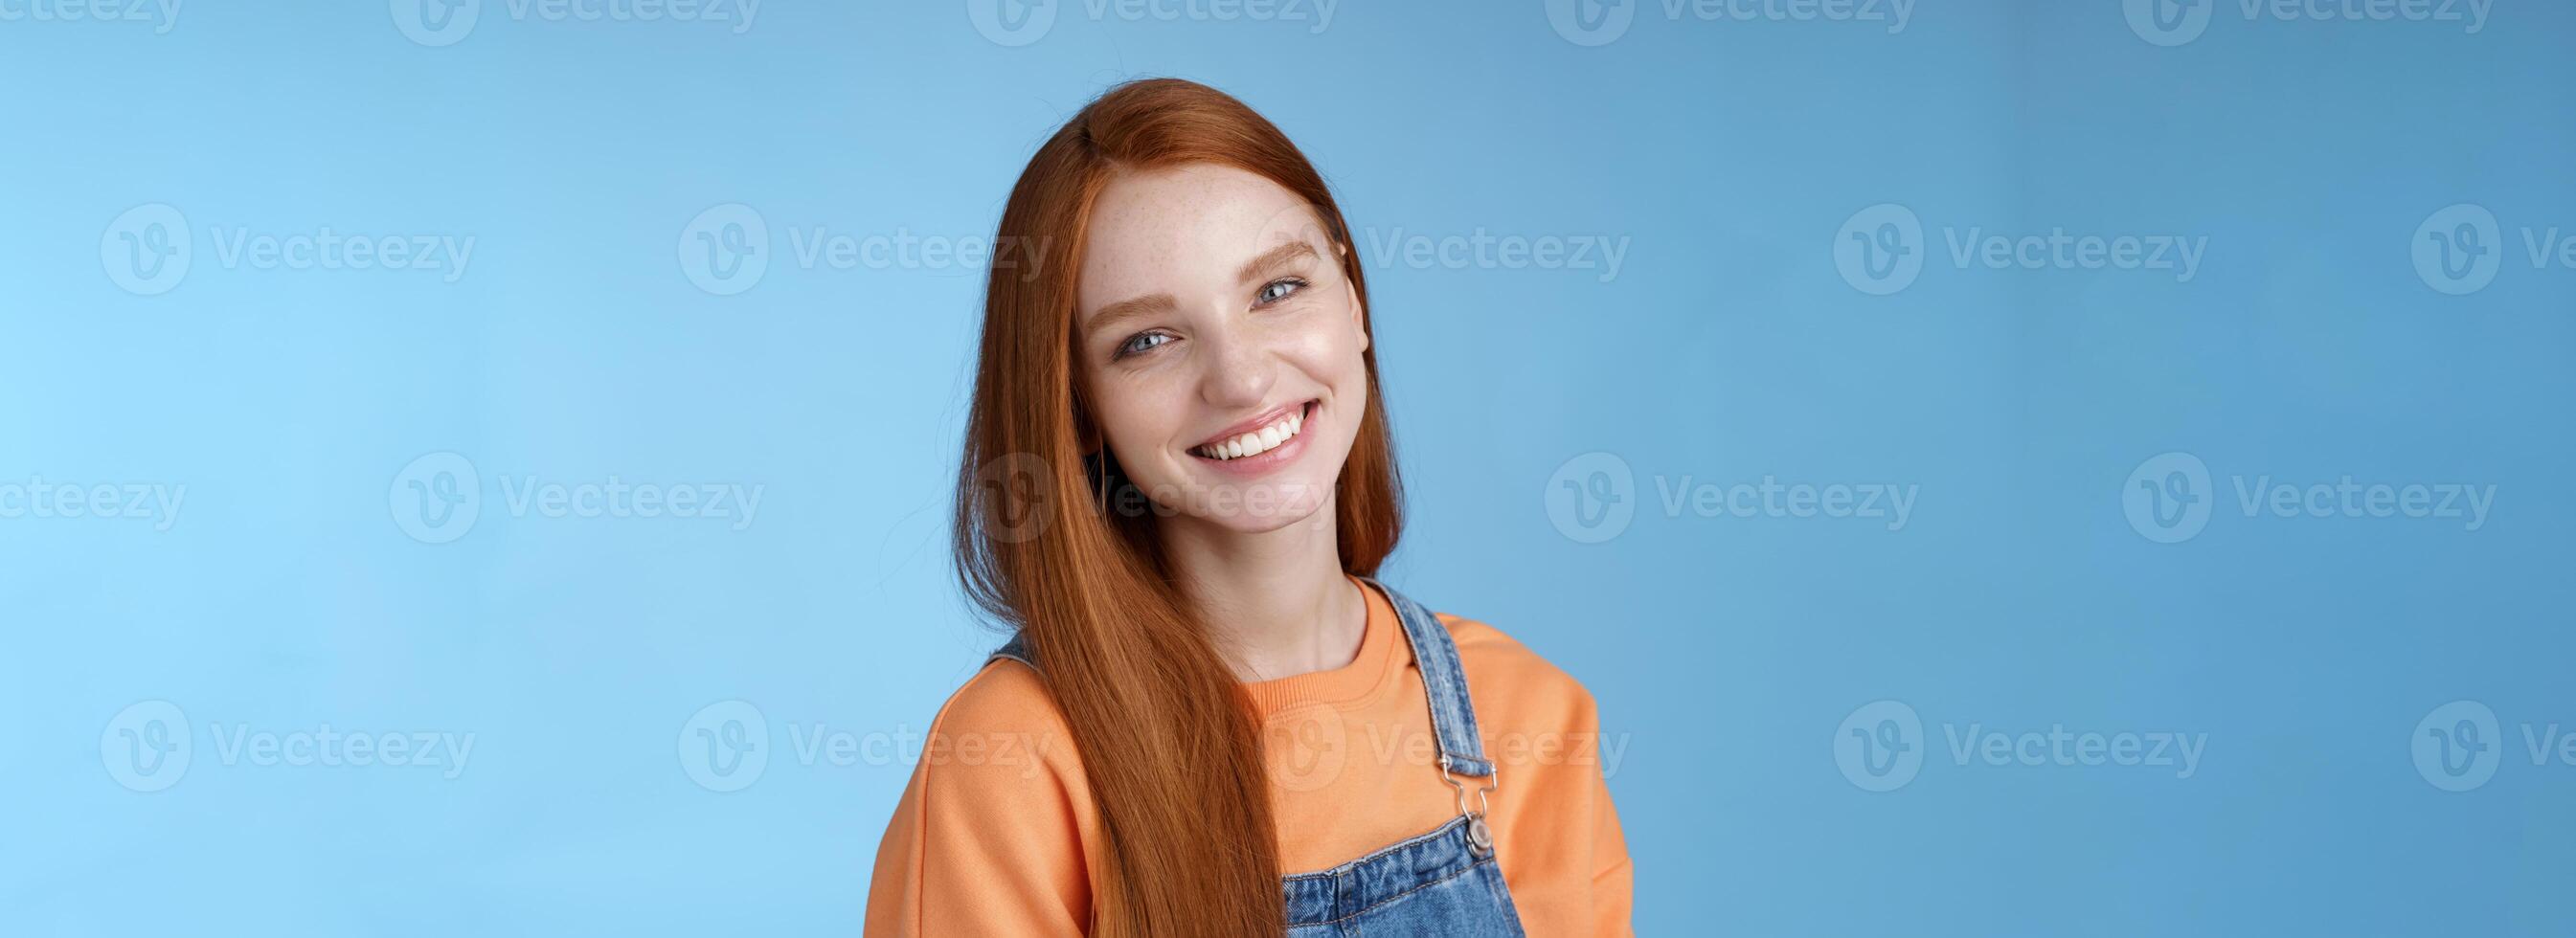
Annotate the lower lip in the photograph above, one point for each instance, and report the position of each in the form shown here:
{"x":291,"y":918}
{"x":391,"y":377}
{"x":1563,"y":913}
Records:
{"x":1276,"y":457}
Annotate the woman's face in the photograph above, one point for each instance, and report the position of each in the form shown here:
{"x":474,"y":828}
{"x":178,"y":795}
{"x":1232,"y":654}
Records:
{"x":1220,"y":345}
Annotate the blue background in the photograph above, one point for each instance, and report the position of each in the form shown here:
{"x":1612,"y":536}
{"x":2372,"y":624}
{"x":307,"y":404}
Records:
{"x":286,"y":593}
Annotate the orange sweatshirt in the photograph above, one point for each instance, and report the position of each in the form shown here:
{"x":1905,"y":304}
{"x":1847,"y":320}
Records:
{"x":997,"y":831}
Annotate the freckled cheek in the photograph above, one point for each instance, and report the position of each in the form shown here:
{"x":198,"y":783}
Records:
{"x":1324,"y":346}
{"x":1143,"y":413}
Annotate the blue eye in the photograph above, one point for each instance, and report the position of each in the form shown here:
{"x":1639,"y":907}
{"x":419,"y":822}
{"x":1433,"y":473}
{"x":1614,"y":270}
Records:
{"x":1142,"y":342}
{"x":1277,"y":290}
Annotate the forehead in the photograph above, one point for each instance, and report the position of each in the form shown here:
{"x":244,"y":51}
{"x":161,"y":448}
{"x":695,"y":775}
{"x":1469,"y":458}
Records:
{"x":1183,"y":231}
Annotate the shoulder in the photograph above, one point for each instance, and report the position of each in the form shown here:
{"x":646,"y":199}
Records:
{"x":1000,"y":732}
{"x":993,"y":833}
{"x":1002,"y":695}
{"x":1507,"y":677}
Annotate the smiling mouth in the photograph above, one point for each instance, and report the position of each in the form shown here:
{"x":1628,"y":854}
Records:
{"x":1275,"y":431}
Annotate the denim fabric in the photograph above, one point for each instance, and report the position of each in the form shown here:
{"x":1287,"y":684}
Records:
{"x":1435,"y":884}
{"x":1445,"y":882}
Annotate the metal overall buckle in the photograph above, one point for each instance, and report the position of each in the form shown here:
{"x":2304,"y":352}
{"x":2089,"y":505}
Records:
{"x":1479,"y":835}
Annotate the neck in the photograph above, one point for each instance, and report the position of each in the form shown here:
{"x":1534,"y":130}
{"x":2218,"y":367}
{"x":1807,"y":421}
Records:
{"x":1277,"y":602}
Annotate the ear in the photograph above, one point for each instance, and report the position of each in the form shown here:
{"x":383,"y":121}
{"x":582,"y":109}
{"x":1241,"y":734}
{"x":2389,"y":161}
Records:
{"x":1359,"y":316}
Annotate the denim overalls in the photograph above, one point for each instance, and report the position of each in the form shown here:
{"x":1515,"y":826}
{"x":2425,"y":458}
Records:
{"x":1444,"y":882}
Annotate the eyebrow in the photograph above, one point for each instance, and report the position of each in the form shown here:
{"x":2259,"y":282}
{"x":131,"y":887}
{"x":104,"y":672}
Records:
{"x":1273,"y":258}
{"x":1252,"y":270}
{"x":1128,"y":309}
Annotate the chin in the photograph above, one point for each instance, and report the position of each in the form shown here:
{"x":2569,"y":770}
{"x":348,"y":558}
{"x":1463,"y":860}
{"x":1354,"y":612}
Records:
{"x":1263,"y":507}
{"x":1253,"y":506}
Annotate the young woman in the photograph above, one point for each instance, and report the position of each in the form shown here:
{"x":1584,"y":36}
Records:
{"x":1177,"y":485}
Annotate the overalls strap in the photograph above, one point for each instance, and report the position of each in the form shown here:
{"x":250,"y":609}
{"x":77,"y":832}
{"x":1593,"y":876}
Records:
{"x":1444,"y":680}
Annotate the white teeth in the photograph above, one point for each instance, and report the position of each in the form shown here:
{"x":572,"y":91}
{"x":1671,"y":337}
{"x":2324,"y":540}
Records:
{"x":1259,"y":441}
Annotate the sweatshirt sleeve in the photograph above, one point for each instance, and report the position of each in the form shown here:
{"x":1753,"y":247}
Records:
{"x":993,"y":833}
{"x":1614,"y":881}
{"x":1612,"y":878}
{"x":1563,"y":851}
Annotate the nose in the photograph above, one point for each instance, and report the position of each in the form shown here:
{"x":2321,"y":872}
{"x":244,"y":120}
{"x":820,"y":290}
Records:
{"x":1241,"y":372}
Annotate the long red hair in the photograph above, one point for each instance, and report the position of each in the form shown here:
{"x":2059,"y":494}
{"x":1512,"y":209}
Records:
{"x":1168,"y":738}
